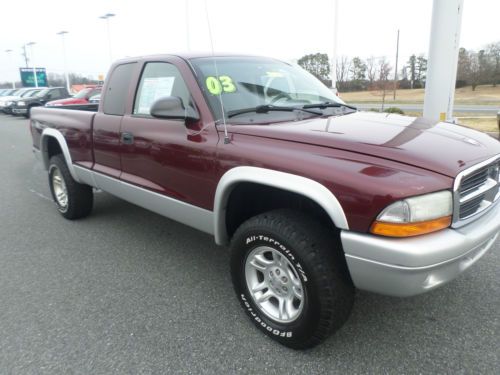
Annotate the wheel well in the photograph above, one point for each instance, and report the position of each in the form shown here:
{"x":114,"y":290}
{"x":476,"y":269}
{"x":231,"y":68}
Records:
{"x":53,"y":147}
{"x":250,"y":199}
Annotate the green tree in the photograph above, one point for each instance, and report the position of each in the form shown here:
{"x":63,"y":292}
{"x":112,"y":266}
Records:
{"x":421,"y":69}
{"x":317,"y":64}
{"x":358,"y":69}
{"x":412,"y":70}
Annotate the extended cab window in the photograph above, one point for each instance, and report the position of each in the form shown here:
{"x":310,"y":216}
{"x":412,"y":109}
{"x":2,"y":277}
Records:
{"x":158,"y":80}
{"x":117,"y":90}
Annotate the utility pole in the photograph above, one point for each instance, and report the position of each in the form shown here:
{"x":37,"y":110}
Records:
{"x":9,"y":52}
{"x":443,"y":59}
{"x":62,"y":34}
{"x":106,"y":17}
{"x":335,"y":39}
{"x":31,"y":44}
{"x":396,"y":69}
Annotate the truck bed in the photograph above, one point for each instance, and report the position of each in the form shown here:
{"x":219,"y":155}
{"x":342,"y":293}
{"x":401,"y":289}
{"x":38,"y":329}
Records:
{"x":75,"y":125}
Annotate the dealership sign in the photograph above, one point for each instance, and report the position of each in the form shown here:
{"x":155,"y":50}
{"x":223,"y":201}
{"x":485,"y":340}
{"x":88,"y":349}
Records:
{"x":28,"y":78}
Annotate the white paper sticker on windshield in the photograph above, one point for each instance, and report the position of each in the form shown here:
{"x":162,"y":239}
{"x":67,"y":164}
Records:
{"x":153,"y":89}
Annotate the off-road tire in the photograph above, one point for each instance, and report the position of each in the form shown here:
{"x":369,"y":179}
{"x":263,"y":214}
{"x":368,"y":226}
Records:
{"x":314,"y":250}
{"x":80,"y":197}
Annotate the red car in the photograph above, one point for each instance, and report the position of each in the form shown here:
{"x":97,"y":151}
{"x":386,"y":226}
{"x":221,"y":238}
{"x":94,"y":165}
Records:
{"x":82,"y":97}
{"x":313,"y":198}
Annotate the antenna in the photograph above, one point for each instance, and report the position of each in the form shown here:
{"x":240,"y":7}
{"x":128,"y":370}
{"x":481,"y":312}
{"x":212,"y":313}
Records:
{"x":226,"y":137}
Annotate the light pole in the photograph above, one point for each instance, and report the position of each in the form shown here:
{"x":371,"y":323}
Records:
{"x":335,"y":41}
{"x":31,"y":44}
{"x":443,"y":59}
{"x":106,"y":17}
{"x":188,"y":41}
{"x":62,"y":34}
{"x":9,"y":52}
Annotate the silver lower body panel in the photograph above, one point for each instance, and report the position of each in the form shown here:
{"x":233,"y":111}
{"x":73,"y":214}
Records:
{"x":411,"y":266}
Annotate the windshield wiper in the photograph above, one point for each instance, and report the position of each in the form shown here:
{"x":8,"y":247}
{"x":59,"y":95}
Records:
{"x":265,"y":108}
{"x":328,"y":104}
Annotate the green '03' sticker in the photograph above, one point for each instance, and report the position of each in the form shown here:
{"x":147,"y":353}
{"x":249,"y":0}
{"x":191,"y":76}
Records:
{"x":218,"y":85}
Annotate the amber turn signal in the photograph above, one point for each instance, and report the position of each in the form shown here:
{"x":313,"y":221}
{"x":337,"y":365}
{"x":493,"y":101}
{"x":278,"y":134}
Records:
{"x":409,"y":229}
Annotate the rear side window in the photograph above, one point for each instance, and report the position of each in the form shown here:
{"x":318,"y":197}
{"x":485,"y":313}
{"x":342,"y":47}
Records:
{"x":117,"y":90}
{"x":158,"y":80}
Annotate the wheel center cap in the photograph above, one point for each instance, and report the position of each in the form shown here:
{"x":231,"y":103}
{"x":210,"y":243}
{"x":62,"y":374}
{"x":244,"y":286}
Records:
{"x":278,"y":281}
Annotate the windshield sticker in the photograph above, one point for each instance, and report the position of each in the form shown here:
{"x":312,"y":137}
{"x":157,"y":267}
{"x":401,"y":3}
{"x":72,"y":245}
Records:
{"x":217,"y":86}
{"x":153,"y":89}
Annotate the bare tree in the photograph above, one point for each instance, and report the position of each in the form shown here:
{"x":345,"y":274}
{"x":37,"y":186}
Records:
{"x":343,"y":68}
{"x":384,"y":70}
{"x":474,"y":70}
{"x":371,"y":70}
{"x":494,"y":54}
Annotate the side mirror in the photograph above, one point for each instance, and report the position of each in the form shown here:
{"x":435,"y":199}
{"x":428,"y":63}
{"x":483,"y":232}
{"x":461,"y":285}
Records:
{"x":171,"y":107}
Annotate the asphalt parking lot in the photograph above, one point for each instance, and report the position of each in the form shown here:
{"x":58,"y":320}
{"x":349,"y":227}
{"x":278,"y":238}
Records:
{"x":126,"y":291}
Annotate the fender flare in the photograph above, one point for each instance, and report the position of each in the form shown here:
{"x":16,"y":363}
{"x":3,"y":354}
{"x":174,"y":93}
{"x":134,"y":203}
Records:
{"x":281,"y":180}
{"x":44,"y":141}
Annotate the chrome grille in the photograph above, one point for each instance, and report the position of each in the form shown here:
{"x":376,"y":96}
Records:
{"x":476,"y":189}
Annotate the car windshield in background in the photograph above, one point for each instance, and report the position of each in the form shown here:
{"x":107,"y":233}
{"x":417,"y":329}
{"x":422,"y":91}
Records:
{"x":82,"y":93}
{"x":32,"y":93}
{"x":244,"y":83}
{"x":42,"y":93}
{"x":28,"y":93}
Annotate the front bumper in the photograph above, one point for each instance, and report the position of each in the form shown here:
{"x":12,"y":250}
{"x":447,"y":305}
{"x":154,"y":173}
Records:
{"x":410,"y":266}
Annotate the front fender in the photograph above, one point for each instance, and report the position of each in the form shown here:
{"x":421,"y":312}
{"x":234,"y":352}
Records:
{"x":281,"y":180}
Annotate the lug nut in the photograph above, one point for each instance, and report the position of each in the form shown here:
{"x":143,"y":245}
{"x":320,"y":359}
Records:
{"x":284,"y":279}
{"x":278,"y":272}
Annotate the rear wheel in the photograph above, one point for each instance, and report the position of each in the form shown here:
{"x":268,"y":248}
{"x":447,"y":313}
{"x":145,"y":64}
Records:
{"x":73,"y":200}
{"x":291,"y":278}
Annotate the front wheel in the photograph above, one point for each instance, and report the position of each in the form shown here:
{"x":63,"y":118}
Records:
{"x":290,"y":276}
{"x":73,"y":200}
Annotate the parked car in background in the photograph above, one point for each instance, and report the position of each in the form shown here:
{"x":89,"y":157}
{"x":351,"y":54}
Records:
{"x":95,"y":99}
{"x":24,"y":106}
{"x":82,"y":97}
{"x":14,"y":95}
{"x":10,"y":106}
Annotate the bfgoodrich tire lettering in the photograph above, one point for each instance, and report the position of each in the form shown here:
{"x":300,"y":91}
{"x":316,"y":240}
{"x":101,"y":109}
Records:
{"x":73,"y":200}
{"x":328,"y":293}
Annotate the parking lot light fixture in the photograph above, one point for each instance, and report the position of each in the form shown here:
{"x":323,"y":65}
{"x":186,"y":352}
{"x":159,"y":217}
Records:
{"x":9,"y":52}
{"x":62,"y":34}
{"x":31,"y":44}
{"x":106,"y":17}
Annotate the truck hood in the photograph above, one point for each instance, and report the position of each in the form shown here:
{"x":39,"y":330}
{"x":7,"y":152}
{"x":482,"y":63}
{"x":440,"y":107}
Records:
{"x":67,"y":101}
{"x":437,"y":146}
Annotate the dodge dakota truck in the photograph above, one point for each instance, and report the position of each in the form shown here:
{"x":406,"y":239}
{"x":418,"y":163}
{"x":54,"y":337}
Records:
{"x":313,"y":197}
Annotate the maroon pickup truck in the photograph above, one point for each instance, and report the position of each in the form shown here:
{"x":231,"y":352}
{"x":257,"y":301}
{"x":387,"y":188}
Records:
{"x":314,"y":198}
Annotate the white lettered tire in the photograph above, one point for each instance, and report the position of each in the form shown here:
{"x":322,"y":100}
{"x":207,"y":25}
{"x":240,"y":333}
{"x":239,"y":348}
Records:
{"x":290,"y":276}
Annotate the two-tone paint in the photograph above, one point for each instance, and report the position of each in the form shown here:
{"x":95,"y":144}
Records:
{"x":353,"y":166}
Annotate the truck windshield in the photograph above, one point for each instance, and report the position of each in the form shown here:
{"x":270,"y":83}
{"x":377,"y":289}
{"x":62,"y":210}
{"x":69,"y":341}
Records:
{"x":251,"y":82}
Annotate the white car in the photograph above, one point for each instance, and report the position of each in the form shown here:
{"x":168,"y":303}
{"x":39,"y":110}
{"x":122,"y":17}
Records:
{"x":5,"y":100}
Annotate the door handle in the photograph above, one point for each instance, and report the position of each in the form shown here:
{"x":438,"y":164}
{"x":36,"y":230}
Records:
{"x":127,"y":138}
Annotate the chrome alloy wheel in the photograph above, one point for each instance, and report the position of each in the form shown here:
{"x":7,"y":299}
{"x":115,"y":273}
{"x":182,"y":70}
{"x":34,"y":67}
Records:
{"x":59,"y":188}
{"x":274,"y":284}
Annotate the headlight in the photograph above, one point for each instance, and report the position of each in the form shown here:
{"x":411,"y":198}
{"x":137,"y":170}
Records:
{"x":414,"y":216}
{"x":8,"y":103}
{"x":21,"y":103}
